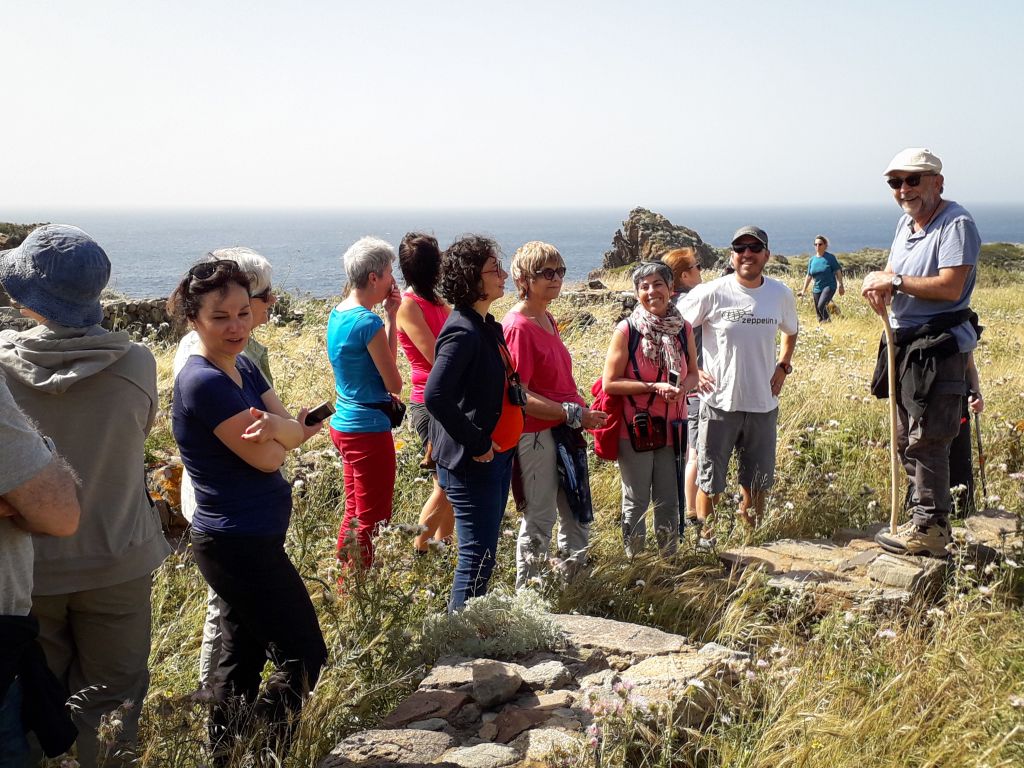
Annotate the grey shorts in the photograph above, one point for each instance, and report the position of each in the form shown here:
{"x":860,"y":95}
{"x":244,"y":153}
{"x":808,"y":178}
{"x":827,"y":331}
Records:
{"x":420,"y":418}
{"x":692,"y":422}
{"x":752,"y":435}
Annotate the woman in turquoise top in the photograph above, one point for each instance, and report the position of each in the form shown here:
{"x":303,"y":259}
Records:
{"x":827,"y":273}
{"x":363,"y":351}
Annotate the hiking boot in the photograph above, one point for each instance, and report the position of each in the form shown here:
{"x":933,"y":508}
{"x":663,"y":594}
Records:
{"x":912,"y":539}
{"x":706,"y":538}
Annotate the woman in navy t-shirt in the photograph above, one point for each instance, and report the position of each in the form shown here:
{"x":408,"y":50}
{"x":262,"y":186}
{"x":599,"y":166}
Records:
{"x":233,"y":433}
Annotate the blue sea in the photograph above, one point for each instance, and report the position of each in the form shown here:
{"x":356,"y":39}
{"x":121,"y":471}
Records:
{"x":150,"y":250}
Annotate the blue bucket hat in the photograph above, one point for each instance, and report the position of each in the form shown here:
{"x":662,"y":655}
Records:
{"x":58,"y":272}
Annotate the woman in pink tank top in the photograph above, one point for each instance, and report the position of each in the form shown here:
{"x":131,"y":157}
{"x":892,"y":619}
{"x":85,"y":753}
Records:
{"x":420,"y":318}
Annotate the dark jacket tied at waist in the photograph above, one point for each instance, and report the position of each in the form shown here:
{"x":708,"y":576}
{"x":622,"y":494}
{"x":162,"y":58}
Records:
{"x":918,"y":352}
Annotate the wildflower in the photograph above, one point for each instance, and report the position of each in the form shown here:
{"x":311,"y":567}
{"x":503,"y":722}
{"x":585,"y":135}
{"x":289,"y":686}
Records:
{"x":299,"y":485}
{"x":873,"y":504}
{"x":751,"y":675}
{"x":1011,"y":562}
{"x":778,"y":650}
{"x":725,"y":719}
{"x":1017,"y":702}
{"x":958,"y":488}
{"x":990,"y":568}
{"x":969,"y":567}
{"x":993,"y":499}
{"x":849,"y":617}
{"x":789,"y":505}
{"x":885,"y":634}
{"x":68,"y":762}
{"x":640,"y":583}
{"x":985,"y":590}
{"x":936,"y":613}
{"x":762,"y":664}
{"x":693,"y":682}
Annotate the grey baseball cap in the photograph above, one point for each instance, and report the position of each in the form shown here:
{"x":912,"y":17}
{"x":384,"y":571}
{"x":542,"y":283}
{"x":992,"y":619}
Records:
{"x":755,"y":232}
{"x":58,"y":272}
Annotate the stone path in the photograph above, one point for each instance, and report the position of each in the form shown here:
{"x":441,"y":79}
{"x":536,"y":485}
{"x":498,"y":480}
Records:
{"x":851,"y":568}
{"x":491,"y":713}
{"x":498,"y":713}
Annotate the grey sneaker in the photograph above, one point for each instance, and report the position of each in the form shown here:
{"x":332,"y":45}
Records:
{"x":911,"y":539}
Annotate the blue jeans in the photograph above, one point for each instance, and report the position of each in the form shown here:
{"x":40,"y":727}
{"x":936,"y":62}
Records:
{"x":821,"y":301}
{"x":13,"y":744}
{"x":478,"y":494}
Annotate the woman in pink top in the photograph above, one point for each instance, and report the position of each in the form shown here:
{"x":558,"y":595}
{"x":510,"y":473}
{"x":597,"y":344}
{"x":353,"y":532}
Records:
{"x":545,"y":369}
{"x":420,"y":317}
{"x":650,"y":475}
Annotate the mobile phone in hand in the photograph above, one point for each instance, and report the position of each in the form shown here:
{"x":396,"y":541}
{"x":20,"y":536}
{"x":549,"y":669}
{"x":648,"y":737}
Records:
{"x":319,"y":413}
{"x":673,"y":378}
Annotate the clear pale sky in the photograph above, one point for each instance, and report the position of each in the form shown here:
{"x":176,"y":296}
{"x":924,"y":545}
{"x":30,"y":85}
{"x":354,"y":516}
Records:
{"x":511,"y":104}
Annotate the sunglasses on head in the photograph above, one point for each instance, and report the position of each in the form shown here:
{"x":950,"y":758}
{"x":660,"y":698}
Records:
{"x":206,"y":269}
{"x":911,"y":181}
{"x":549,"y":273}
{"x":752,"y":247}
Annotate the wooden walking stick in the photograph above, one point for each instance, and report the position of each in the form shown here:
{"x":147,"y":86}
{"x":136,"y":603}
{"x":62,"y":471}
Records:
{"x":894,"y":455}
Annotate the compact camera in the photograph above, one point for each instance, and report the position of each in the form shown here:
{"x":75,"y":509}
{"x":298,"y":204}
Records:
{"x":516,"y":392}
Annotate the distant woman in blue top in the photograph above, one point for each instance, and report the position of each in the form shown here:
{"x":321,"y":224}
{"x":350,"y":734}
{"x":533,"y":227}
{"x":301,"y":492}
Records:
{"x":363,"y":351}
{"x":827,"y":273}
{"x":233,"y":433}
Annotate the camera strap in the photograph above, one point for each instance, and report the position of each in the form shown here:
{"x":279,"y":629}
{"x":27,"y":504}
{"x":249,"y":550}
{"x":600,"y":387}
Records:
{"x":634,"y":342}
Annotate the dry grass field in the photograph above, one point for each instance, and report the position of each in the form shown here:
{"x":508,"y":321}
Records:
{"x":941,"y":685}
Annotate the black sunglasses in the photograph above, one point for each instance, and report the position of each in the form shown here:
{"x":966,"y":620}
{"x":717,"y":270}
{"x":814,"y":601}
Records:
{"x":206,"y":269}
{"x":549,"y":273}
{"x":911,"y":181}
{"x":263,"y":295}
{"x":752,"y":247}
{"x":698,"y":267}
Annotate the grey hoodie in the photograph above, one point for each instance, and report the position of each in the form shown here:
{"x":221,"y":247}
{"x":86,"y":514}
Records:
{"x":94,"y":394}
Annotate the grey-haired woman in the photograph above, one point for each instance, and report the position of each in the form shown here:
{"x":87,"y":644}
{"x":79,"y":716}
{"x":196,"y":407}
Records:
{"x":649,"y":349}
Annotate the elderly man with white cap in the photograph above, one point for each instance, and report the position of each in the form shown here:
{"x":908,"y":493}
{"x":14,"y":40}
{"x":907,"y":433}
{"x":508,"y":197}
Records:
{"x":928,"y":282}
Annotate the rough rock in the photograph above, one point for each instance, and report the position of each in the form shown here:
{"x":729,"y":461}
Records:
{"x":482,"y":756}
{"x":646,"y":235}
{"x":433,"y":724}
{"x":537,"y":744}
{"x":489,"y":682}
{"x":998,"y":530}
{"x":513,"y":722}
{"x":618,"y":639}
{"x":402,"y":746}
{"x":554,"y":700}
{"x":848,"y":569}
{"x":424,"y":705}
{"x":546,"y":675}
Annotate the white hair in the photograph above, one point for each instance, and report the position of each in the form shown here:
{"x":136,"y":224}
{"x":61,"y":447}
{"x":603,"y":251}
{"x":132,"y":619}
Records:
{"x":366,"y":255}
{"x":255,"y":266}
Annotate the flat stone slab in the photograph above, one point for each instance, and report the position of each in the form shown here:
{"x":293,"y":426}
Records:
{"x":850,"y":569}
{"x":536,"y":745}
{"x":995,"y":529}
{"x":489,"y":682}
{"x":617,"y":638}
{"x":380,"y":746}
{"x":426,"y":705}
{"x":482,"y":756}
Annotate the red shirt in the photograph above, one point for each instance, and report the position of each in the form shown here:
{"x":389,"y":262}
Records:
{"x":435,"y":315}
{"x":543,"y":363}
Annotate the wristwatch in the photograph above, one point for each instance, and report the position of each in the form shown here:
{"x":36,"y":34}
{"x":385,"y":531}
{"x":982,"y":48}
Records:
{"x":897,"y":283}
{"x":786,"y":368}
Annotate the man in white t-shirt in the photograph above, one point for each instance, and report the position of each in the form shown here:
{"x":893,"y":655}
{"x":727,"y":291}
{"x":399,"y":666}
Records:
{"x":741,"y":316}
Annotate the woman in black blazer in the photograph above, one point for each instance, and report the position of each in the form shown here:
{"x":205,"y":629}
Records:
{"x":476,"y":404}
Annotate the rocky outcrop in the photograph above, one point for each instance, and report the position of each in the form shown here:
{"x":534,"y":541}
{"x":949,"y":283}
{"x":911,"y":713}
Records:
{"x":646,"y":235}
{"x":492,"y":713}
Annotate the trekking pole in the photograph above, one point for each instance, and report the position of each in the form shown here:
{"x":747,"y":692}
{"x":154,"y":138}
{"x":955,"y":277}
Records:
{"x":894,"y":456}
{"x":981,"y":456}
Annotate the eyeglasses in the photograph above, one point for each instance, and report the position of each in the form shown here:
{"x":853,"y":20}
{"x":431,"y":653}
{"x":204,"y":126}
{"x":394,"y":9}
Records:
{"x":263,"y":295}
{"x":752,"y":247}
{"x":911,"y":181}
{"x":499,"y":267}
{"x":549,"y":273}
{"x":206,"y":269}
{"x":817,"y":243}
{"x":698,"y":267}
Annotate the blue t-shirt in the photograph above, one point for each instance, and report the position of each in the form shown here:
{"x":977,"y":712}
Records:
{"x":232,"y":496}
{"x":823,"y":269}
{"x":951,"y":239}
{"x":356,"y":378}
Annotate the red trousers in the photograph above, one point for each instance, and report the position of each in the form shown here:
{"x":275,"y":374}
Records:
{"x":369,"y":465}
